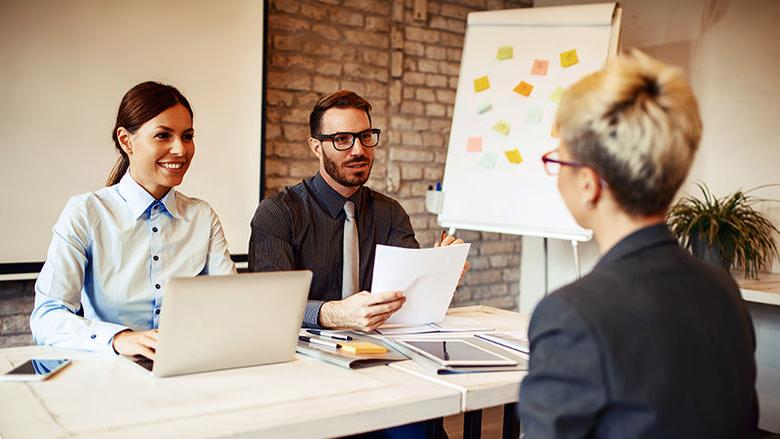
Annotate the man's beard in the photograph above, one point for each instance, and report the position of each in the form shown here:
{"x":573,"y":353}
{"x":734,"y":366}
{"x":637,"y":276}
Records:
{"x":335,"y":171}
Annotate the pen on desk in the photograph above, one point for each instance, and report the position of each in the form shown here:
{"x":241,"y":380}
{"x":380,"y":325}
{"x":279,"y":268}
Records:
{"x":319,"y":341}
{"x":328,"y":334}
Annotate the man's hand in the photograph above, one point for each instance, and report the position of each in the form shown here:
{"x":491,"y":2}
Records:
{"x":451,"y":240}
{"x":129,"y":342}
{"x":361,"y":311}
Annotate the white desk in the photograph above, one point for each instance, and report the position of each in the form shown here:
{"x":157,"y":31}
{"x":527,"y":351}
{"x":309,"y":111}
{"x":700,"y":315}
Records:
{"x":481,"y":390}
{"x":102,"y":396}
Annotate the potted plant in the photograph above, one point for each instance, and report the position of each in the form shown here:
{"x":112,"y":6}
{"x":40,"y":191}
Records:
{"x":726,"y":231}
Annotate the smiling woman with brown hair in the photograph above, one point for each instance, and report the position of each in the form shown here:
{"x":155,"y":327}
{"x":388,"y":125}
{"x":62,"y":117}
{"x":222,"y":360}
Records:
{"x":652,"y":343}
{"x":114,"y":249}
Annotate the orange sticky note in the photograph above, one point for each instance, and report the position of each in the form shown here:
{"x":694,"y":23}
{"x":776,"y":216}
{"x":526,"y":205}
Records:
{"x":362,"y":347}
{"x":557,"y":94}
{"x":481,"y":84}
{"x":514,"y":156}
{"x":569,"y":58}
{"x":474,"y":144}
{"x":540,"y":67}
{"x":523,"y":88}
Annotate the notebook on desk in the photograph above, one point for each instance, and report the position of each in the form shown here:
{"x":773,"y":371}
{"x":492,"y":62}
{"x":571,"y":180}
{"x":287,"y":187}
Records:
{"x":221,"y":322}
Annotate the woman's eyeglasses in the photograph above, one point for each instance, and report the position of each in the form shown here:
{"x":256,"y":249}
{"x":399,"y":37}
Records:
{"x":343,"y":141}
{"x":553,"y":163}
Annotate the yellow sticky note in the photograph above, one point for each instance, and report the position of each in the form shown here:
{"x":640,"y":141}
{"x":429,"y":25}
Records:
{"x":514,"y":156}
{"x":481,"y":84}
{"x":504,"y":53}
{"x":362,"y":347}
{"x":502,"y":127}
{"x":474,"y":144}
{"x":523,"y":88}
{"x":557,"y":94}
{"x":569,"y":58}
{"x":540,"y":67}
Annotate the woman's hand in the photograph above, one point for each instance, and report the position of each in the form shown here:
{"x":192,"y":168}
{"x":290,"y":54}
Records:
{"x":131,"y":343}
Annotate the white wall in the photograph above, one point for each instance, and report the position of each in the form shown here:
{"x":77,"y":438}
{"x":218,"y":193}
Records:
{"x":66,"y":66}
{"x":729,"y":50}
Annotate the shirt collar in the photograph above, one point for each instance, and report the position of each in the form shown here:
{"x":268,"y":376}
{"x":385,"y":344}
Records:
{"x":643,"y":238}
{"x":332,"y":201}
{"x":139,"y":201}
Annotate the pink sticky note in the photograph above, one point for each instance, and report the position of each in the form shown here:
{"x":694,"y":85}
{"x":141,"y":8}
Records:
{"x":540,"y":67}
{"x":474,"y":145}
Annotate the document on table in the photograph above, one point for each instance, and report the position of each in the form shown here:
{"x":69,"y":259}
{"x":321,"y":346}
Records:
{"x":427,"y":277}
{"x":448,"y":324}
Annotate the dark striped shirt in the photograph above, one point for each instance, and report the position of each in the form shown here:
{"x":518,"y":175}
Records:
{"x":302,"y":228}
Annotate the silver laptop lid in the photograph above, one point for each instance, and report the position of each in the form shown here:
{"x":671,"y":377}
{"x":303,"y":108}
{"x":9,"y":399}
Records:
{"x":220,"y":322}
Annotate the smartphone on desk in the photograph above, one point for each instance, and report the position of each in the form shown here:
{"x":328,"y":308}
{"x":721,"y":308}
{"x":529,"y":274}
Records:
{"x":36,"y":369}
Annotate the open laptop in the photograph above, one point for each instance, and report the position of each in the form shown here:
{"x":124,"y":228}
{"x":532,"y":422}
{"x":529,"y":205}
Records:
{"x":220,"y":322}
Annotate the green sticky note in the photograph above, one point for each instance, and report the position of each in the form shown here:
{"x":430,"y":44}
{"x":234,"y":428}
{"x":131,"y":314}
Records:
{"x":481,"y":84}
{"x":485,"y":108}
{"x":505,"y":52}
{"x":502,"y":127}
{"x":557,"y":94}
{"x":488,"y":161}
{"x":533,"y":115}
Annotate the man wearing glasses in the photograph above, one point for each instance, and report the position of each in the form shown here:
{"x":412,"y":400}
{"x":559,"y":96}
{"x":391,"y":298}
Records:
{"x":330,"y":223}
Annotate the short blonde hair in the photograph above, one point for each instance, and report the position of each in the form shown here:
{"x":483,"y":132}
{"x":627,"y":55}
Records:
{"x":636,"y":122}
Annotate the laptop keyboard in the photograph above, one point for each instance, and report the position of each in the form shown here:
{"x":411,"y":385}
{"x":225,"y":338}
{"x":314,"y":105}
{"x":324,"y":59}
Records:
{"x":143,"y":362}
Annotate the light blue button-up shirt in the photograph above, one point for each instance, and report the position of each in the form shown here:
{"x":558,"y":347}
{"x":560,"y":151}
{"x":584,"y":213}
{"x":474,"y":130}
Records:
{"x":112,"y":253}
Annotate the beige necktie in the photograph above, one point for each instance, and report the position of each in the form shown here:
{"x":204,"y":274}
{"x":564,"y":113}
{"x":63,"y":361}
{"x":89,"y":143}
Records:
{"x":350,"y":274}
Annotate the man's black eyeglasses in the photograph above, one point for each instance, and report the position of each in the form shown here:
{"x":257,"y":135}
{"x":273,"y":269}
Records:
{"x":344,"y":141}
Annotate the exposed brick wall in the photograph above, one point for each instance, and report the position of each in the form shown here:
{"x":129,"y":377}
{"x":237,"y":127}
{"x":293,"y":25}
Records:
{"x":16,"y":304}
{"x":408,"y":69}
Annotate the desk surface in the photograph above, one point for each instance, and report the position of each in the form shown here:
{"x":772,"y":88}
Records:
{"x":102,"y":396}
{"x":479,"y":390}
{"x":765,"y":289}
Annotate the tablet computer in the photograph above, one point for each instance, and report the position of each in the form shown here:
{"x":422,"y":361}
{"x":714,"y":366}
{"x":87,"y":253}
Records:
{"x":457,"y":353}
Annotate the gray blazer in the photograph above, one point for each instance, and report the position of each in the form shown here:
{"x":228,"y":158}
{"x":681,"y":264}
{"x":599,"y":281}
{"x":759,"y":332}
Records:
{"x":651,"y":344}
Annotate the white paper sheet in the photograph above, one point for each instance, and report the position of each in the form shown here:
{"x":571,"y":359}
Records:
{"x":427,"y":277}
{"x":448,"y":324}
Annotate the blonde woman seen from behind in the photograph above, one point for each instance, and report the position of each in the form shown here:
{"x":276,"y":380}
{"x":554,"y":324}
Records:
{"x":652,"y":343}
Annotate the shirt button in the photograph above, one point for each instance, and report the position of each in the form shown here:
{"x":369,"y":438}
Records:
{"x":93,"y":336}
{"x":156,"y":258}
{"x":154,"y":229}
{"x":157,"y":311}
{"x":157,"y":286}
